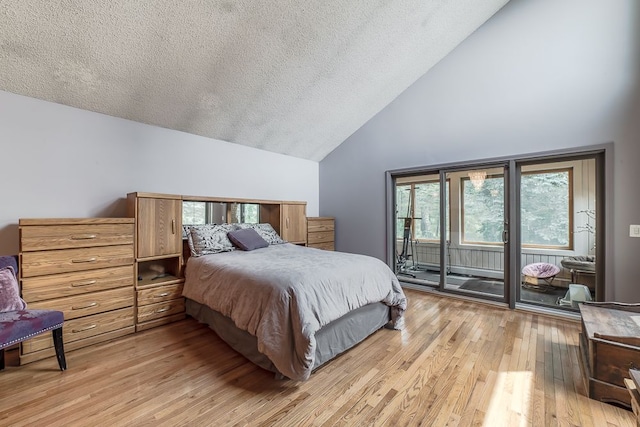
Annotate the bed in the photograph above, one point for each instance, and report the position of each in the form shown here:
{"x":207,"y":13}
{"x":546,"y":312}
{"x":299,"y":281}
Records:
{"x":288,"y":308}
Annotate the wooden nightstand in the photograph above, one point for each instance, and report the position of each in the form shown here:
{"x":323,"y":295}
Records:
{"x":321,"y":233}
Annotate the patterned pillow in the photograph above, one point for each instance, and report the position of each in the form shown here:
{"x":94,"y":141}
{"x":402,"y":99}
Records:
{"x":210,"y":239}
{"x":185,"y":231}
{"x":266,"y":231}
{"x":10,"y":291}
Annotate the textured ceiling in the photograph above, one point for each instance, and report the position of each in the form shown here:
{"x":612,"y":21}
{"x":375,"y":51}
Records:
{"x":293,"y":77}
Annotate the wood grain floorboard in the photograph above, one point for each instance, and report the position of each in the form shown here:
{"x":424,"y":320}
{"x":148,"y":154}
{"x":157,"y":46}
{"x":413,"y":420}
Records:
{"x":457,"y":363}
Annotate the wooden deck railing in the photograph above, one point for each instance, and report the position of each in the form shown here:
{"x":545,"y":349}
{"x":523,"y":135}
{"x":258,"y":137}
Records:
{"x":478,"y":260}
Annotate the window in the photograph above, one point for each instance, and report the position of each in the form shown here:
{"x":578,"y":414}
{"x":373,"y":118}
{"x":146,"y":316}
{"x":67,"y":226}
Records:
{"x":483,"y":211}
{"x":194,"y":213}
{"x":546,"y":202}
{"x":248,"y":213}
{"x":421,"y":202}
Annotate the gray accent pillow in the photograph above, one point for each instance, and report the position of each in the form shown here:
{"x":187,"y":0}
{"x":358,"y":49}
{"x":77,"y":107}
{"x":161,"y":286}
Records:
{"x":266,"y":231}
{"x":247,"y":239}
{"x":10,"y":291}
{"x":210,"y":239}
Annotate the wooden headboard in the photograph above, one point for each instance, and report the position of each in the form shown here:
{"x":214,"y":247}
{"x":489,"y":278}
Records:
{"x":288,"y":218}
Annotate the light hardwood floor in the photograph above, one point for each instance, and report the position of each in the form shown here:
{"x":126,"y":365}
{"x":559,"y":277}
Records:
{"x":456,"y":363}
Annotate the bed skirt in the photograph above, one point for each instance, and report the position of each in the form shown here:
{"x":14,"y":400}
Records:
{"x":333,"y":339}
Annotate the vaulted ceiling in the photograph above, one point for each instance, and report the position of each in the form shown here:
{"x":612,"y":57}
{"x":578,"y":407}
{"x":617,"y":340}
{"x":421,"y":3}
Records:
{"x":290,"y":76}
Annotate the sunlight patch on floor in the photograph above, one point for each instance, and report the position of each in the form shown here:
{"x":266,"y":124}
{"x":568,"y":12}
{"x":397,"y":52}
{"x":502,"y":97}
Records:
{"x":511,"y":399}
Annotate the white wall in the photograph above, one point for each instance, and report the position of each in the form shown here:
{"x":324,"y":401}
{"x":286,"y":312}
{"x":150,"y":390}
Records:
{"x":538,"y":76}
{"x":58,"y":161}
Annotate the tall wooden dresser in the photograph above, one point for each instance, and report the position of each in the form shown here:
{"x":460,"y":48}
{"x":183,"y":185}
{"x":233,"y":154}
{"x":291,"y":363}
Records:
{"x":321,"y":232}
{"x":84,"y":268}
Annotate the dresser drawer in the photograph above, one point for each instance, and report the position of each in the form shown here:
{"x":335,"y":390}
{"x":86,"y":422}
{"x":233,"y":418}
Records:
{"x":320,"y":237}
{"x":47,"y":237}
{"x":314,"y":226}
{"x":82,"y":282}
{"x":159,"y":294}
{"x":162,"y":309}
{"x":68,"y":260}
{"x":83,"y":328}
{"x":87,"y":304}
{"x":327,"y":246}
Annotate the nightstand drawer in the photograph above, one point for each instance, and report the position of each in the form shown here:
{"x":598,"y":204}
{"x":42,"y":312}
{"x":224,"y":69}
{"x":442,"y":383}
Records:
{"x":82,"y":282}
{"x":46,"y":237}
{"x":159,"y":294}
{"x":318,"y":225}
{"x":82,"y":328}
{"x":162,"y":309}
{"x":320,"y":237}
{"x":327,"y":246}
{"x":68,"y":260}
{"x":87,"y":304}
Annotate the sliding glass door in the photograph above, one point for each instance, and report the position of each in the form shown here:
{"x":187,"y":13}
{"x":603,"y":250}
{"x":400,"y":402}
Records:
{"x":418,"y":228}
{"x":475,"y":253}
{"x":450,"y":230}
{"x":516,"y":231}
{"x":557,"y":211}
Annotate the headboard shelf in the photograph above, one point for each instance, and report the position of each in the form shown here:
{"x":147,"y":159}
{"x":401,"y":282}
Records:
{"x":288,"y":217}
{"x":240,"y":200}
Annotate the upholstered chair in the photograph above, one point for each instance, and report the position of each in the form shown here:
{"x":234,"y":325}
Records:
{"x":17,"y":322}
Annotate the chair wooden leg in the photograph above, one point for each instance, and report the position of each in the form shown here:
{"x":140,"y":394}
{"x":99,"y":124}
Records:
{"x":59,"y":346}
{"x":1,"y":359}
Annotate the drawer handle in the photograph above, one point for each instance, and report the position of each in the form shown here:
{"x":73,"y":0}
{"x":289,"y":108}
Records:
{"x":92,"y":259}
{"x":162,"y":310}
{"x":75,"y":331}
{"x":87,"y":283}
{"x":83,"y":237}
{"x":164,"y":294}
{"x":93,"y":304}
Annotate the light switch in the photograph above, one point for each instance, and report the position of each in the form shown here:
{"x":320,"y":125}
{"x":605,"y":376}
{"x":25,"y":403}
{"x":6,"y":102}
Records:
{"x":634,"y":230}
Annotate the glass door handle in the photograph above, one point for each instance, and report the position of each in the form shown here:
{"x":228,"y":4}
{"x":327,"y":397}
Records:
{"x":505,"y":236}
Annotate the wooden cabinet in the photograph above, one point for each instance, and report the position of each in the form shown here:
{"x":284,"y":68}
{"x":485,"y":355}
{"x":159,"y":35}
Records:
{"x":158,"y":223}
{"x":158,"y":271}
{"x":293,"y":223}
{"x":289,"y":219}
{"x":84,"y":268}
{"x":157,"y":304}
{"x":159,"y":297}
{"x":321,"y":233}
{"x":609,"y":347}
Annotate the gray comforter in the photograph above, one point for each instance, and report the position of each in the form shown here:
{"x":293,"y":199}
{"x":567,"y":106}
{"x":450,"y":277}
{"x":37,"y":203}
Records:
{"x":284,"y":294}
